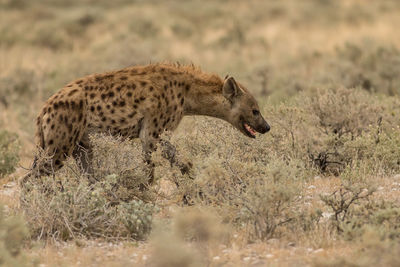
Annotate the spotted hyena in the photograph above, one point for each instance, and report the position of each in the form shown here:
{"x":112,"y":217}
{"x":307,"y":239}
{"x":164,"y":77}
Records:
{"x":139,"y":101}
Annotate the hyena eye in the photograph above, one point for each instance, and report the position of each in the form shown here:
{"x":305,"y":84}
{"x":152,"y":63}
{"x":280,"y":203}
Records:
{"x":256,"y":112}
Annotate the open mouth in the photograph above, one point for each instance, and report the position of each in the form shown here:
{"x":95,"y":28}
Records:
{"x":249,"y":130}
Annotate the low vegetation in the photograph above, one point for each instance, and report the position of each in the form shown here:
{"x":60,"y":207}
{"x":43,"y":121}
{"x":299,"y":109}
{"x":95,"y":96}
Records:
{"x":70,"y":206}
{"x":9,"y":148}
{"x":13,"y":233}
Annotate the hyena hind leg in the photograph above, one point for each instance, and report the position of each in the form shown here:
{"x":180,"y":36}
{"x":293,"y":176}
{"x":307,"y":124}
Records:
{"x":83,"y":155}
{"x":41,"y":166}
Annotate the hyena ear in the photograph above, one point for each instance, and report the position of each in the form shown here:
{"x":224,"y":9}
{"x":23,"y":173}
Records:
{"x":230,"y":89}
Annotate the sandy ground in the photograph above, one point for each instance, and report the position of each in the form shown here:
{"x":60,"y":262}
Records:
{"x":274,"y":252}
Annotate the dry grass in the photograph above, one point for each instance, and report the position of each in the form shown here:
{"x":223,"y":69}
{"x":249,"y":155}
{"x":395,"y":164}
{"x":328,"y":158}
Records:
{"x":326,"y":75}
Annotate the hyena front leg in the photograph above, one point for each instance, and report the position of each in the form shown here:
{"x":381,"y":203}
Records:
{"x":150,"y":136}
{"x":83,"y":155}
{"x":169,"y":153}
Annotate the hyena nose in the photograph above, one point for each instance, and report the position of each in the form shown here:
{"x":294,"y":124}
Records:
{"x":267,"y":127}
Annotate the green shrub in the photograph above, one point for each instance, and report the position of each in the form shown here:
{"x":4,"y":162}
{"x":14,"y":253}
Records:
{"x":9,"y":148}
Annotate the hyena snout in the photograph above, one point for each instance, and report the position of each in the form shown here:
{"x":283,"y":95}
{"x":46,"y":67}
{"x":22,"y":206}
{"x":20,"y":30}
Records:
{"x":263,"y":127}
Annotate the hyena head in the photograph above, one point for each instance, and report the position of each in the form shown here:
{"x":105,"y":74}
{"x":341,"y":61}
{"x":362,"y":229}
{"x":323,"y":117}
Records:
{"x":244,"y":113}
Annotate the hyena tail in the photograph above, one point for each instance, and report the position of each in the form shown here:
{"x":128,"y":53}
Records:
{"x":39,"y":136}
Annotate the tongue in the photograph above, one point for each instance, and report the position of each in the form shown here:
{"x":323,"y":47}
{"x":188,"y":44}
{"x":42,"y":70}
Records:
{"x":248,"y":128}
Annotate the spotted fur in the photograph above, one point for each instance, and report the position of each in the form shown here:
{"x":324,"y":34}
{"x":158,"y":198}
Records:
{"x":139,"y":101}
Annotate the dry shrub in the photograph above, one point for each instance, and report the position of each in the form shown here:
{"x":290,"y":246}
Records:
{"x":64,"y":208}
{"x":369,"y":65}
{"x":122,"y":160}
{"x":20,"y":83}
{"x":257,"y":197}
{"x":9,"y":148}
{"x":374,"y":151}
{"x":342,"y":116}
{"x":257,"y":184}
{"x":170,"y":251}
{"x":293,"y":131}
{"x":382,"y":217}
{"x":13,"y":232}
{"x":373,"y":251}
{"x":342,"y":202}
{"x":254,"y":184}
{"x":345,"y":111}
{"x":333,"y":129}
{"x":355,"y":212}
{"x":372,"y":66}
{"x":201,"y":225}
{"x":193,"y":236}
{"x":245,"y":180}
{"x":113,"y":207}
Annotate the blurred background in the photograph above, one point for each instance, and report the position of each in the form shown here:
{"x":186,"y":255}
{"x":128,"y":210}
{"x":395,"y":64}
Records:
{"x":276,"y":48}
{"x":327,"y":77}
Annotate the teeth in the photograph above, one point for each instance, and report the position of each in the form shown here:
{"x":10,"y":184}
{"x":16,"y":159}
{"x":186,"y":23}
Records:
{"x":249,"y":129}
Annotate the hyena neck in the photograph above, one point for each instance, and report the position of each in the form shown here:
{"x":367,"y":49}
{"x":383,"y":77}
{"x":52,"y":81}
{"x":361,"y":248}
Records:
{"x":207,"y":100}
